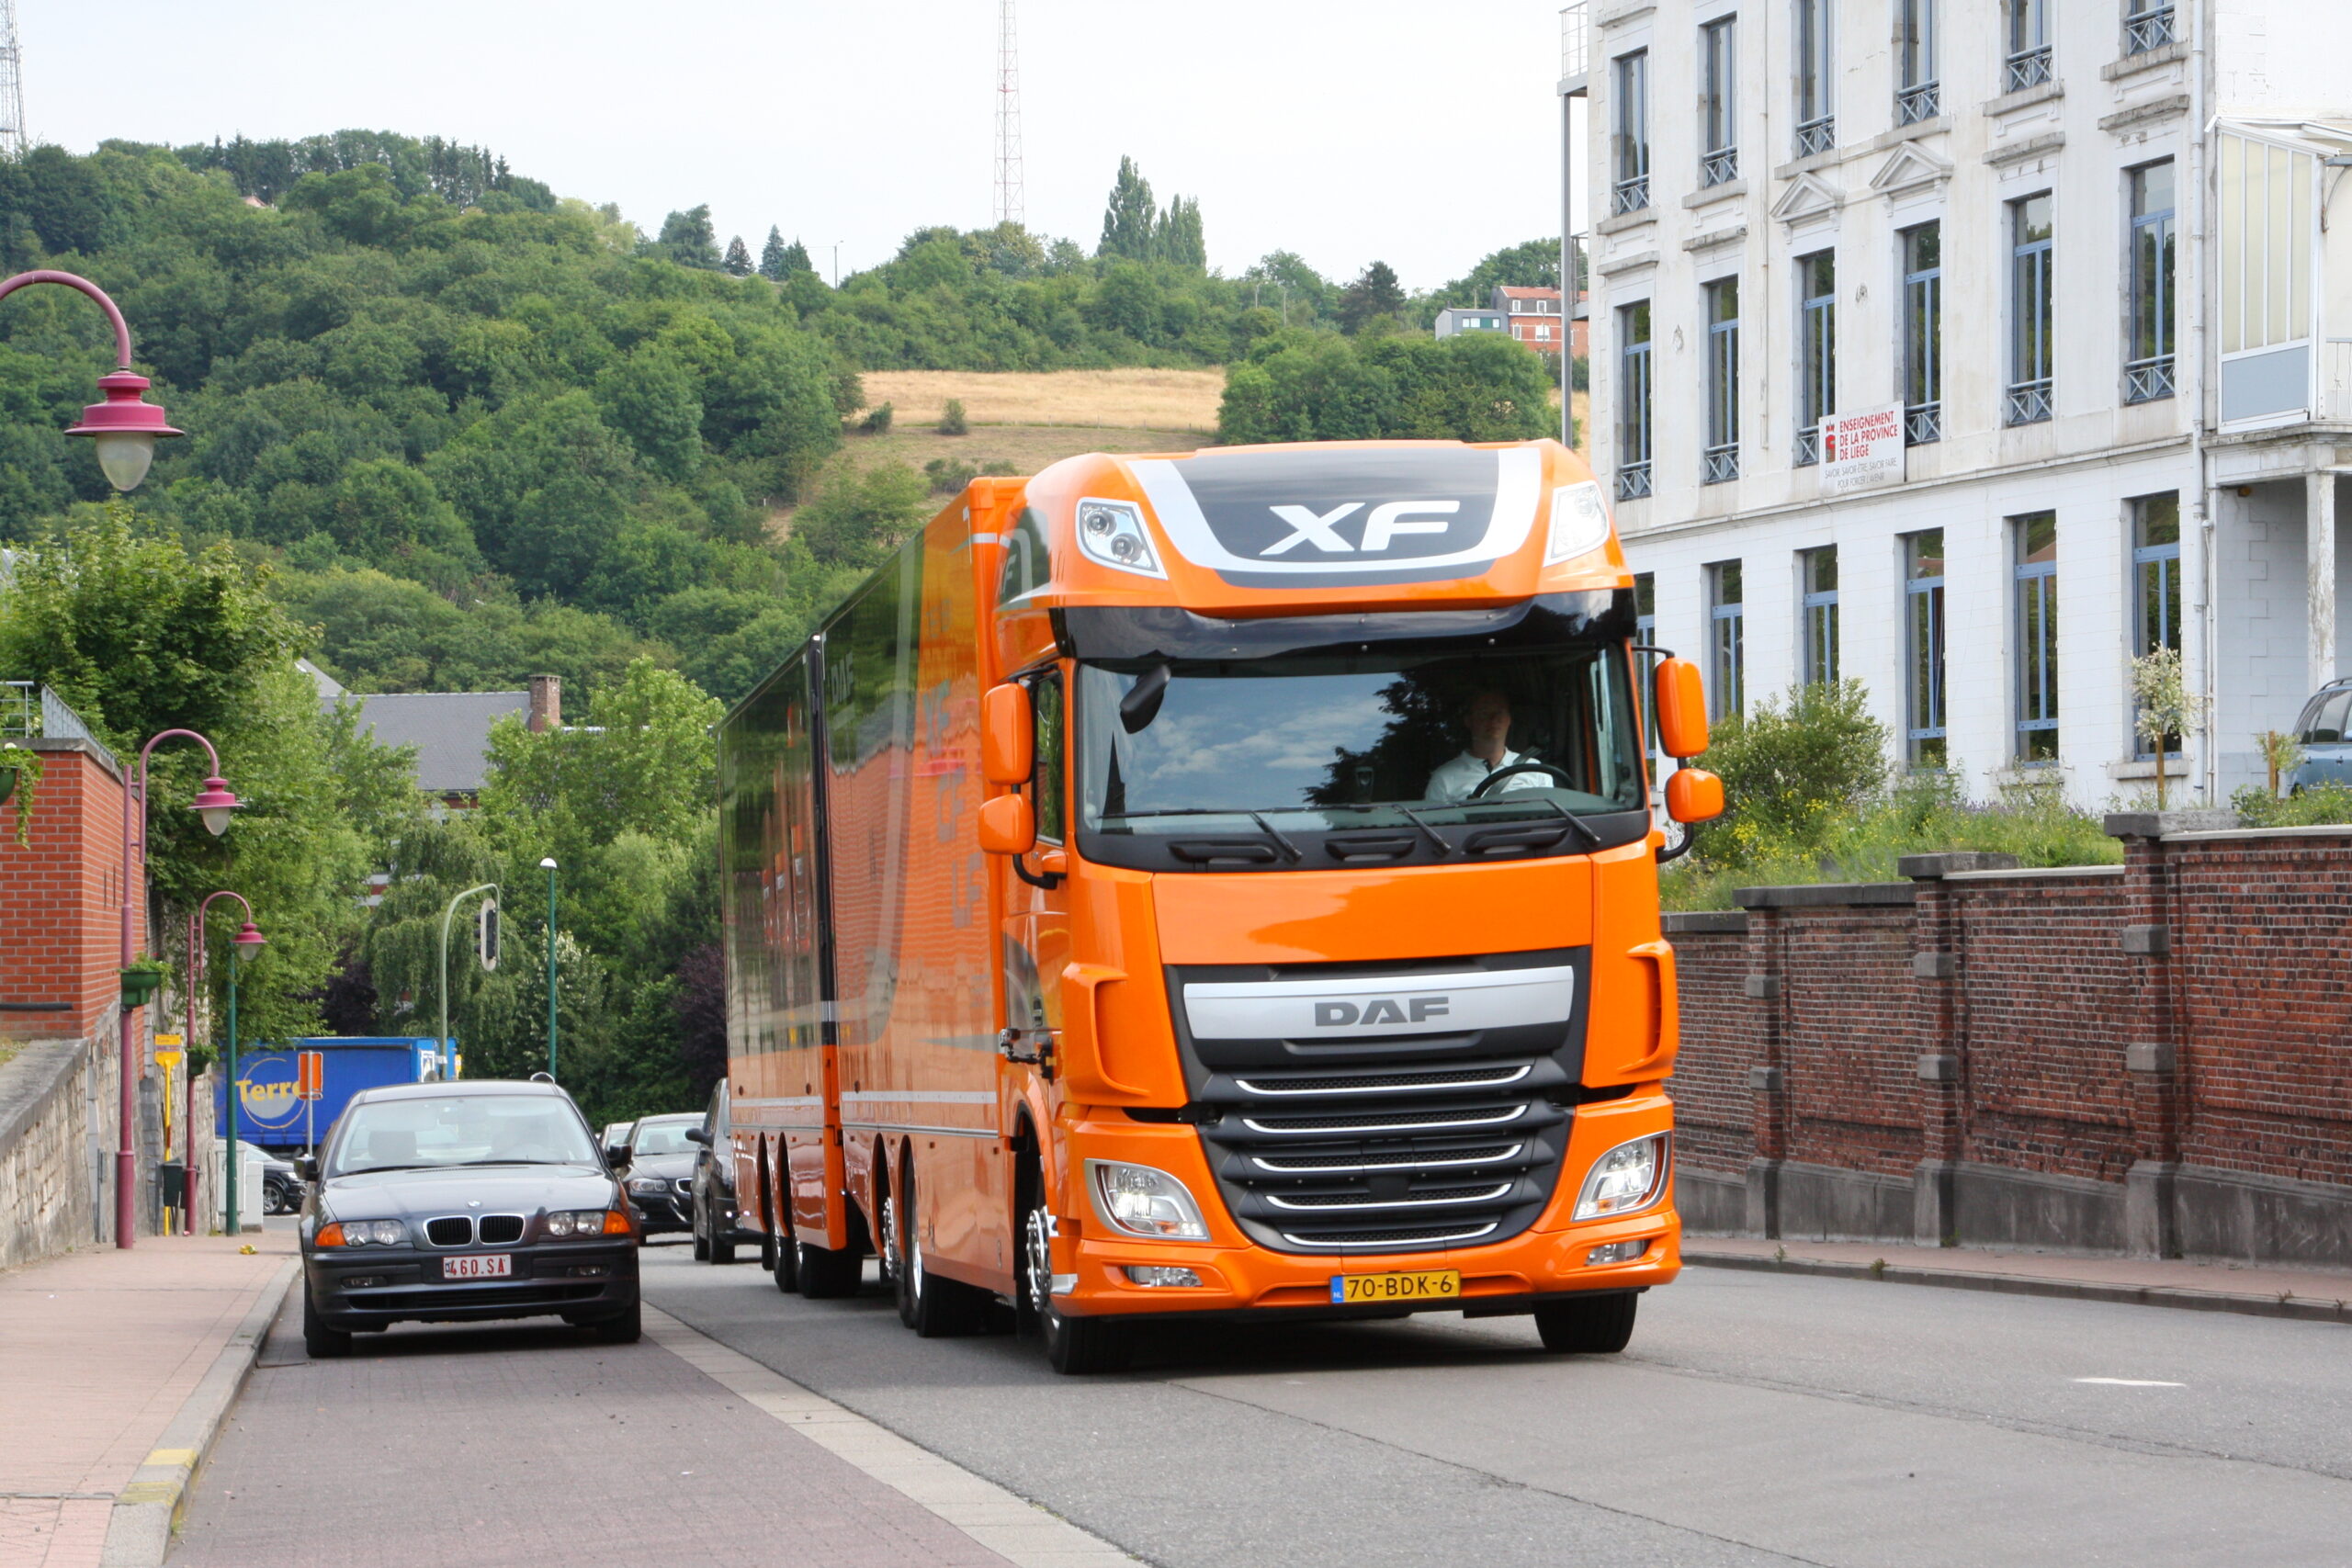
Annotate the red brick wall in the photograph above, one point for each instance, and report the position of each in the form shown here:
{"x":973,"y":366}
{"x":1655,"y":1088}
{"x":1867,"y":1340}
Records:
{"x":1714,"y":1113}
{"x":60,"y":899}
{"x":1848,"y":1041}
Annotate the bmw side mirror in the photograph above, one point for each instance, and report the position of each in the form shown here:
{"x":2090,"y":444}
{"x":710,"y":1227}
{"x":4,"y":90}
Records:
{"x":697,"y":1135}
{"x":307,"y":1166}
{"x":616,"y":1153}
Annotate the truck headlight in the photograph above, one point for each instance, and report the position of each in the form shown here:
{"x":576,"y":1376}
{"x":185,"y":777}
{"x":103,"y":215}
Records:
{"x":1112,"y":532}
{"x":1138,"y":1201}
{"x":1579,"y":522}
{"x":1625,"y":1179}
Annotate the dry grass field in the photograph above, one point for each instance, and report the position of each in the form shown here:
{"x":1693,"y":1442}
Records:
{"x":1136,"y":400}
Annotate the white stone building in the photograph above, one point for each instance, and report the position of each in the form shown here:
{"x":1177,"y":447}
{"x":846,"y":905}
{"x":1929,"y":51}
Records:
{"x":2094,"y":251}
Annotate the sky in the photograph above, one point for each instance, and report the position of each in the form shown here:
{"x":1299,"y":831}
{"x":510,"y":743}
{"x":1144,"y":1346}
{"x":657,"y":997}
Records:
{"x":1422,"y":134}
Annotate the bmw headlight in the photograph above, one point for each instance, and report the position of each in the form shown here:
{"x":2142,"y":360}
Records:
{"x":1579,"y":522}
{"x":647,"y":1184}
{"x":1139,"y":1200}
{"x":570,"y":1224}
{"x":1627,"y":1178}
{"x":1111,"y":533}
{"x":371,"y":1233}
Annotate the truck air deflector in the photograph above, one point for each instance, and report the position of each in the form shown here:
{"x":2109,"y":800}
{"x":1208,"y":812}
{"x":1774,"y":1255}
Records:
{"x":1343,"y":517}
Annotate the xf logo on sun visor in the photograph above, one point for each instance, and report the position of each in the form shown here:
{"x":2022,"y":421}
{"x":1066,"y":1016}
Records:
{"x":1345,"y":516}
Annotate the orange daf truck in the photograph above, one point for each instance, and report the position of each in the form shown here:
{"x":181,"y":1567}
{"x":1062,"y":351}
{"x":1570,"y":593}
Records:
{"x":1220,"y":883}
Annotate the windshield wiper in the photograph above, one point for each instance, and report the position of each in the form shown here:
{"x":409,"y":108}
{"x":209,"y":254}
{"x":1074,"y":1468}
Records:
{"x":1290,"y":849}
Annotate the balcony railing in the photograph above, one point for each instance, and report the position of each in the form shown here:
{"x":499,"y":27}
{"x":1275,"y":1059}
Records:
{"x":2027,"y":68}
{"x":1633,"y":481}
{"x":1572,"y":38}
{"x":1719,"y":167}
{"x":1631,"y":195}
{"x":1720,"y":465}
{"x":2145,"y":380}
{"x":2028,"y":402}
{"x":2145,"y":30}
{"x":1816,"y":136}
{"x":1923,"y":422}
{"x":1808,"y":446}
{"x":1912,"y":105}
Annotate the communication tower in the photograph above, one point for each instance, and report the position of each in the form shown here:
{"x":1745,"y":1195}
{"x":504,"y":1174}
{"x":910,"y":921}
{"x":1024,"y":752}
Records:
{"x":12,"y":83}
{"x":1009,"y":198}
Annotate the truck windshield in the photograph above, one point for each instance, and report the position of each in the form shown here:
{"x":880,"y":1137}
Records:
{"x":1332,"y":741}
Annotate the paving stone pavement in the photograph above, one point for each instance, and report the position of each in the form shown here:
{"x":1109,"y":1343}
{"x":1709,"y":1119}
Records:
{"x":98,"y":1350}
{"x":434,"y":1444}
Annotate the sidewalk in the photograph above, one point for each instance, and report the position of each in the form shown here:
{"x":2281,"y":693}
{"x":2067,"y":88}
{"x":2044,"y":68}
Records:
{"x":99,"y":1350}
{"x":2309,"y":1295}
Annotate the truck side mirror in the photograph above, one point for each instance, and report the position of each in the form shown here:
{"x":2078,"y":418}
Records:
{"x":1682,"y":709}
{"x":1007,"y":826}
{"x":1008,"y":737}
{"x":1695,"y":795}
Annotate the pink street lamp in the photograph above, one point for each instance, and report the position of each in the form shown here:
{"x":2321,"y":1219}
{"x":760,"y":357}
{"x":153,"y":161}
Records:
{"x":125,"y":427}
{"x":214,"y":804}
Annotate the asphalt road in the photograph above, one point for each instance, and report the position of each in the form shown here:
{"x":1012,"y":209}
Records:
{"x":1756,"y":1418}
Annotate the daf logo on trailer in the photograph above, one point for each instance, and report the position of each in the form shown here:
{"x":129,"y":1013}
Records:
{"x":1381,"y":1009}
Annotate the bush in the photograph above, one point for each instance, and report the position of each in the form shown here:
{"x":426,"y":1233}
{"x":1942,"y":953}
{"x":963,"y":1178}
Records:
{"x":878,"y":421}
{"x":1794,"y":771}
{"x":2322,"y":804}
{"x":952,"y":420}
{"x":947,"y":475}
{"x":858,"y":519}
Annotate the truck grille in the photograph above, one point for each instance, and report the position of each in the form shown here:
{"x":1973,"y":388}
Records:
{"x":1402,"y":1142}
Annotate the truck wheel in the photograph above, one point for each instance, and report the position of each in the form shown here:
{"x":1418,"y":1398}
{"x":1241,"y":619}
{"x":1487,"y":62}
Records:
{"x":319,"y":1342}
{"x":824,"y":1272}
{"x":1073,"y":1345}
{"x":787,"y":1264}
{"x":932,"y":1304}
{"x":1597,"y":1325}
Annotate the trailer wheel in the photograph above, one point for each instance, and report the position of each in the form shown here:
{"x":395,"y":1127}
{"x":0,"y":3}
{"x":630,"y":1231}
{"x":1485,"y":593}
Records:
{"x":824,"y":1273}
{"x":1597,"y":1325}
{"x":1074,"y":1346}
{"x":932,"y":1304}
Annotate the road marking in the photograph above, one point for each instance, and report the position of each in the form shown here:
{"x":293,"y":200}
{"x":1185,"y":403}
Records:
{"x":1022,"y":1532}
{"x":2131,"y":1382}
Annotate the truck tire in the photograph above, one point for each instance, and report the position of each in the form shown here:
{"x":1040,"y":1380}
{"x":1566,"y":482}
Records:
{"x":932,"y":1304}
{"x":824,"y":1272}
{"x":1074,"y":1346}
{"x":319,"y":1342}
{"x":1595,"y":1326}
{"x":787,"y":1264}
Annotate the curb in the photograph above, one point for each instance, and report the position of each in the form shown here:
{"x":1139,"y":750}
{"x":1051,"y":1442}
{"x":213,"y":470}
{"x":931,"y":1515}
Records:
{"x":139,"y":1532}
{"x":2293,"y":1307}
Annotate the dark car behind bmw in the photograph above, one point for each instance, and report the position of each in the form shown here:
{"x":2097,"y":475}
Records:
{"x":661,"y":1170}
{"x":464,"y":1202}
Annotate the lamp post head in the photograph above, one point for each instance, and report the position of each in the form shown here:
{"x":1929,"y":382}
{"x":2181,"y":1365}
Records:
{"x":214,"y":804}
{"x":248,"y":942}
{"x":124,"y":428}
{"x":547,"y":864}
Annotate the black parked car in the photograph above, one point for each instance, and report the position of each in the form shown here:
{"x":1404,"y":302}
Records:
{"x":715,"y":1209}
{"x":460,"y":1203}
{"x":660,"y":1171}
{"x":281,"y":1186}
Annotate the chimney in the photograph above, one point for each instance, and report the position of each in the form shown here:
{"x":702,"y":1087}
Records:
{"x":547,"y":704}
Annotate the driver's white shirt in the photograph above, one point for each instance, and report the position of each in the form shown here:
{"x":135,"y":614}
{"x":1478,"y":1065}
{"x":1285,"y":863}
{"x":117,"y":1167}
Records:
{"x":1455,"y":780}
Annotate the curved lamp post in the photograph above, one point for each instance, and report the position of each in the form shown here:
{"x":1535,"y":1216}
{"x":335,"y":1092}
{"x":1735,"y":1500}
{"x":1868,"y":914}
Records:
{"x":547,"y":866}
{"x":215,"y":805}
{"x":125,"y":426}
{"x":449,"y":1052}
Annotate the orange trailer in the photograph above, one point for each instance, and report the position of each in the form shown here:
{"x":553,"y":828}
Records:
{"x":1219,"y":883}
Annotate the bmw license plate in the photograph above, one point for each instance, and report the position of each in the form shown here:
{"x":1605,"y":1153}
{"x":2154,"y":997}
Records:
{"x":1424,"y":1285}
{"x":489,"y":1266}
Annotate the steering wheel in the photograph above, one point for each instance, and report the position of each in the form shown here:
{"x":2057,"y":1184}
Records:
{"x":1501,"y":773}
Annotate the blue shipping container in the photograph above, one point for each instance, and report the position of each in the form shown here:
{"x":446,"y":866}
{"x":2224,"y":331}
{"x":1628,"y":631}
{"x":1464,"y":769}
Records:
{"x":269,"y":1114}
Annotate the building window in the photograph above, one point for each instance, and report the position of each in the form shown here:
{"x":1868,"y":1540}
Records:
{"x":1817,"y":588}
{"x":1816,"y":70}
{"x":2029,"y":63}
{"x":1722,"y":456}
{"x":1923,"y":599}
{"x":1727,"y":644}
{"x":1634,"y":400}
{"x":2036,"y":543}
{"x":2155,"y":573}
{"x":2268,"y":234}
{"x":1923,"y":333}
{"x":2147,"y":374}
{"x":2147,"y":24}
{"x":1718,"y":102}
{"x":1817,"y":350}
{"x":1633,"y":191}
{"x":2031,"y":310}
{"x":1645,"y":635}
{"x":1918,"y":92}
{"x":1542,"y":332}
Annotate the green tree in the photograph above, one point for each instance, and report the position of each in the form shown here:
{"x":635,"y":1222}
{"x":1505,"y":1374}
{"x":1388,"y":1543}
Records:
{"x":739,"y":257}
{"x":1793,"y":769}
{"x":1129,"y":217}
{"x":688,"y":239}
{"x":1178,"y":238}
{"x":1376,"y":295}
{"x":858,"y":518}
{"x":773,"y":262}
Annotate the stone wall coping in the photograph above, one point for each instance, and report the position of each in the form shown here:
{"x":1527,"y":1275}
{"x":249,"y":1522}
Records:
{"x":1705,"y":922}
{"x":2233,"y":835}
{"x":1826,"y":895}
{"x":2164,"y":824}
{"x":1952,"y":862}
{"x":2018,"y":874}
{"x":49,"y":744}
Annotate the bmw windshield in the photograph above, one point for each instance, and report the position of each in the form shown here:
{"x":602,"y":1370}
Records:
{"x":1366,"y":754}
